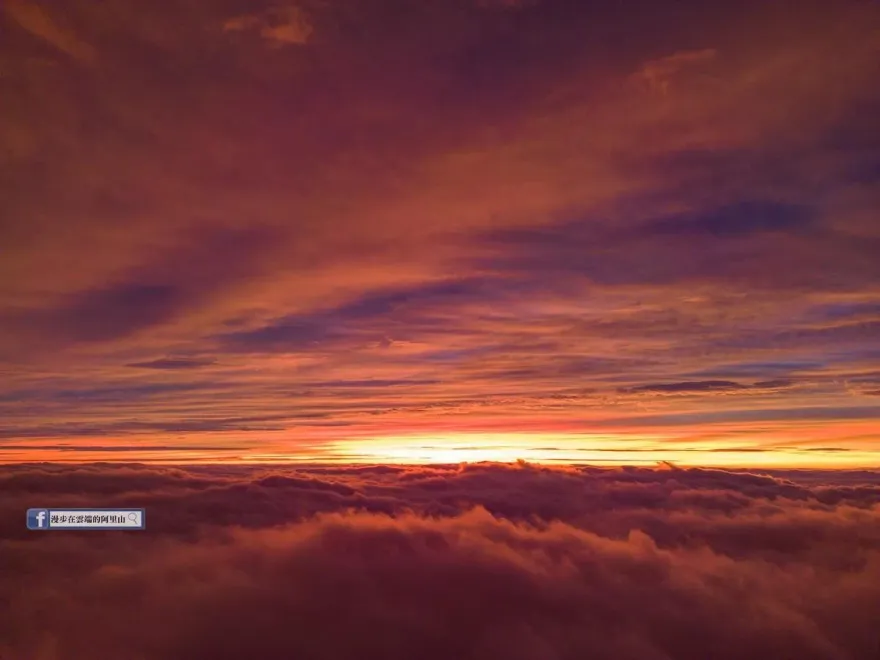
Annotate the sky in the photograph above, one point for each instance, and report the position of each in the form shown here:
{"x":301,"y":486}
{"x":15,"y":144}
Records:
{"x":391,"y":231}
{"x":469,"y":561}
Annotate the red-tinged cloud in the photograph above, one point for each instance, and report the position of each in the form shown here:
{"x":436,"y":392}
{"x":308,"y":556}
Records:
{"x":450,"y":561}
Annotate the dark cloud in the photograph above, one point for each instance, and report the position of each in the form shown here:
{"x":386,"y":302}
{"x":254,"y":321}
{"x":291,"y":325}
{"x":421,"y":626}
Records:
{"x":845,"y":310}
{"x":465,"y":561}
{"x":752,"y":415}
{"x":365,"y":319}
{"x":120,"y":392}
{"x":854,"y":335}
{"x":697,"y":386}
{"x":739,"y":219}
{"x":689,"y":386}
{"x":203,"y":262}
{"x":731,"y":243}
{"x":173,"y":363}
{"x":111,"y":448}
{"x":111,"y":312}
{"x":344,"y":384}
{"x":758,"y":369}
{"x":86,"y":429}
{"x":779,"y":383}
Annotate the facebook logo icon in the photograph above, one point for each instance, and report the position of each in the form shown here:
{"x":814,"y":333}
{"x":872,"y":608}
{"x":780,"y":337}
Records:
{"x":38,"y":519}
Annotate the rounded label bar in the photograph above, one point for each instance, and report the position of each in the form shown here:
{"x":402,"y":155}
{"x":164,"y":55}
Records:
{"x":94,"y":518}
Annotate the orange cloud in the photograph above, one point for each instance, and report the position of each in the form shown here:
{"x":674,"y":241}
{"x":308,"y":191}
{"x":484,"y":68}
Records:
{"x":281,"y":26}
{"x":660,"y":73}
{"x":39,"y":22}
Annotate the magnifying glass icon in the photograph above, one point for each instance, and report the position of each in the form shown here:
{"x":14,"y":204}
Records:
{"x":133,"y":517}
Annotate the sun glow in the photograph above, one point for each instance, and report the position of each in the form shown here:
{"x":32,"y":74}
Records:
{"x":474,"y":447}
{"x":576,"y":448}
{"x":825,"y":446}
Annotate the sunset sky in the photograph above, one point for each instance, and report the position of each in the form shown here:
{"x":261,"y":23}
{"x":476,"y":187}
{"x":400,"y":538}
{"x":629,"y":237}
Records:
{"x":440,"y":329}
{"x":391,"y":231}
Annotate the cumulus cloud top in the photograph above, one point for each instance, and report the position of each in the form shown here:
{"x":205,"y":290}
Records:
{"x":451,"y":561}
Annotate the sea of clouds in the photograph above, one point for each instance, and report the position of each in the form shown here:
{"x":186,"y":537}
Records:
{"x":453,"y":562}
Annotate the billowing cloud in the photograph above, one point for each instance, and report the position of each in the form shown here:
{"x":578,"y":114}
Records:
{"x":464,"y":561}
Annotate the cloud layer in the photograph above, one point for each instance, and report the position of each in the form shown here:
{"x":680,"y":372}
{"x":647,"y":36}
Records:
{"x":526,"y":216}
{"x":450,"y":561}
